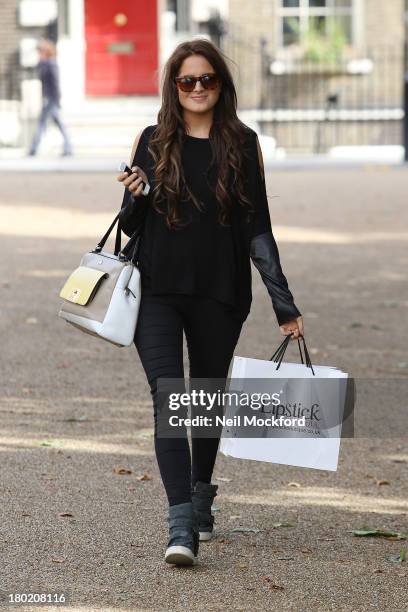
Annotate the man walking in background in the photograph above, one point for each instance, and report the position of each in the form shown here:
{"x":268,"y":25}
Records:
{"x":49,"y":76}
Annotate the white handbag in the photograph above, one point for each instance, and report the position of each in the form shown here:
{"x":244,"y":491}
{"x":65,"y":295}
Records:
{"x":102,"y":296}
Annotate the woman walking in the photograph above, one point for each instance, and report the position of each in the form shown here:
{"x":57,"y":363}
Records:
{"x":204,"y":219}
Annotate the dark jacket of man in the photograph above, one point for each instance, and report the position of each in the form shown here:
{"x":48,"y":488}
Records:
{"x":49,"y":76}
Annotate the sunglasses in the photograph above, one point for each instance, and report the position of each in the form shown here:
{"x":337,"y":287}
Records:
{"x":188,"y":83}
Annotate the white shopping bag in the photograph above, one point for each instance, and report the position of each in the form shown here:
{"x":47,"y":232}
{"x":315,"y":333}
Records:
{"x":318,"y":449}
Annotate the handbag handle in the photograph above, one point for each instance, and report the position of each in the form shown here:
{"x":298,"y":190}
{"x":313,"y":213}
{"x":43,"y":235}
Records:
{"x":280,"y":351}
{"x":117,"y":250}
{"x":102,"y":242}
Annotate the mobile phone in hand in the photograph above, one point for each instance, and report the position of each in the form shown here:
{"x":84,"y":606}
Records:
{"x":123,"y":167}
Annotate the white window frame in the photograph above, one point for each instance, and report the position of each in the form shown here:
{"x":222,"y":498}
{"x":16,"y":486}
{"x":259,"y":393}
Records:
{"x":304,"y":11}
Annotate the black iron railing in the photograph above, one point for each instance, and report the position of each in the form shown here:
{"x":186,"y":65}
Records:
{"x":312,"y":106}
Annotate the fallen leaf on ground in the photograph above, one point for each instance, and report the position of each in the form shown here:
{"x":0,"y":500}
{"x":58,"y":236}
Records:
{"x":245,"y":530}
{"x":325,"y":539}
{"x":382,"y":482}
{"x":389,"y":304}
{"x":223,"y":541}
{"x":277,"y":550}
{"x":144,"y":477}
{"x":272,"y":585}
{"x":382,"y":533}
{"x":294,"y":484}
{"x":121,"y":470}
{"x":63,"y":514}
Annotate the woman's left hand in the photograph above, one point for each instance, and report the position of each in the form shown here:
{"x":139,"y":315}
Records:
{"x":295,"y":325}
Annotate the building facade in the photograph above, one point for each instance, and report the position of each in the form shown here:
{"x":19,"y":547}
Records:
{"x":312,"y":94}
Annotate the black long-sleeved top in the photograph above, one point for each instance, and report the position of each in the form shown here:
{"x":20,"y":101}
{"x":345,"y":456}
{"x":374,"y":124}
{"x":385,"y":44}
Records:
{"x":205,"y":257}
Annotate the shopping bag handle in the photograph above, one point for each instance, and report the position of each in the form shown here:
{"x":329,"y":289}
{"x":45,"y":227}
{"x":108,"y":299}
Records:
{"x":280,"y":351}
{"x":282,"y":348}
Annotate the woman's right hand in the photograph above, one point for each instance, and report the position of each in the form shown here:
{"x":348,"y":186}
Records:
{"x":295,"y":327}
{"x":134,"y":182}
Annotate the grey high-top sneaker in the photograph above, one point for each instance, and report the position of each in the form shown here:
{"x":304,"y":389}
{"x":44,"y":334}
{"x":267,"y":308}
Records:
{"x":202,"y":496}
{"x":182,"y":548}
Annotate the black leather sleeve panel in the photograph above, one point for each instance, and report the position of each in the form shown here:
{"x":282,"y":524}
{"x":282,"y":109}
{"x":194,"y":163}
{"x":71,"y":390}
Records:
{"x":265,"y":257}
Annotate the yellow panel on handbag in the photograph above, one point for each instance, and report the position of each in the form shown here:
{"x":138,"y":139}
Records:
{"x":82,"y":285}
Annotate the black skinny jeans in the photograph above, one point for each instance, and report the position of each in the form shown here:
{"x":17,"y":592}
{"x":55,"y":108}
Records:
{"x":212,"y":330}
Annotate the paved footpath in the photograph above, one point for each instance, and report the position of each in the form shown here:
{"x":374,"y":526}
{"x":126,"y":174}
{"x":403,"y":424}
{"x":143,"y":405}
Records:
{"x":76,"y":413}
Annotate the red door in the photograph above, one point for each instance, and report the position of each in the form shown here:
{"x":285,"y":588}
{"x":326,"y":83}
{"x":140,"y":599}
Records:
{"x":121,"y":47}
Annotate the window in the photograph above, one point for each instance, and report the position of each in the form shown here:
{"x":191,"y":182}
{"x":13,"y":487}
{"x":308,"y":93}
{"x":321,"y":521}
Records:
{"x":297,"y":17}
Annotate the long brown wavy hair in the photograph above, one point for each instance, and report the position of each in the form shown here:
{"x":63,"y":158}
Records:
{"x":227,"y":138}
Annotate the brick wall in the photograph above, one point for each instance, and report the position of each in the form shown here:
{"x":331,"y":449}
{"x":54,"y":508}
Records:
{"x":383,"y":22}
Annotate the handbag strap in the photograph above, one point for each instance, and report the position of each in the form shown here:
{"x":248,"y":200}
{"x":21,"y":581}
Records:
{"x":118,"y":248}
{"x":136,"y":237}
{"x":280,"y":351}
{"x":102,"y":242}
